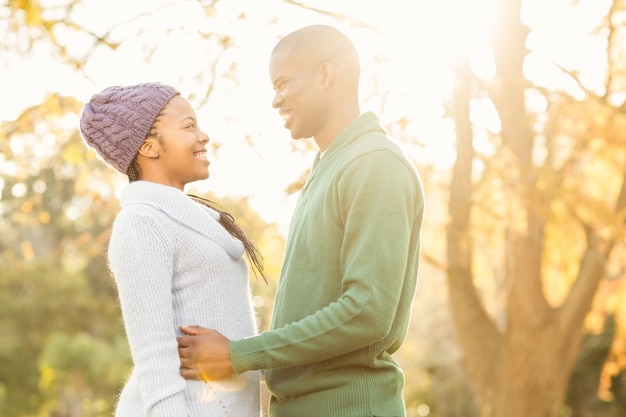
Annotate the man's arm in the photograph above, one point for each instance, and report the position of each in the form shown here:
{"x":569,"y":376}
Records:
{"x":204,"y":354}
{"x":380,"y":188}
{"x":379,"y":200}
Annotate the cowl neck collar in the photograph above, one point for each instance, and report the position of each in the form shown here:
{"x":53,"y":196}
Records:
{"x":174,"y":203}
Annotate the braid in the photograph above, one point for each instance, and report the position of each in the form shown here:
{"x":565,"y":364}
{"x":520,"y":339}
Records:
{"x":226,"y":220}
{"x":134,"y":171}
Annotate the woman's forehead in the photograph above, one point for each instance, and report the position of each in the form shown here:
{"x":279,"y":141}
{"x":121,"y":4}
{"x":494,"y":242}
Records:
{"x":178,"y":108}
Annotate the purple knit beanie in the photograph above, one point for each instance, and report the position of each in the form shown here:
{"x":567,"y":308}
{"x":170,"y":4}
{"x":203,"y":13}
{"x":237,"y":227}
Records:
{"x":116,"y":121}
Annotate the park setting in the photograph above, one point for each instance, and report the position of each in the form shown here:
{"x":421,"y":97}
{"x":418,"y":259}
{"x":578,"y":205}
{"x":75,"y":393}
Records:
{"x":513,"y":112}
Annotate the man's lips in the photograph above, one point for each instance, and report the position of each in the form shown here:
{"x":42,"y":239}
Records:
{"x":285,"y":114}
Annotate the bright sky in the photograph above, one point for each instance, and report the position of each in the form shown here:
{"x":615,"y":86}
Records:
{"x":417,"y":45}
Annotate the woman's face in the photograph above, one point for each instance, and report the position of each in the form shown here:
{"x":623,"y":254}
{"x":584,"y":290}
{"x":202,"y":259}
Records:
{"x":182,"y":153}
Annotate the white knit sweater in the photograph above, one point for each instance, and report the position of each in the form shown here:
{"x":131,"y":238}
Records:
{"x":174,"y":265}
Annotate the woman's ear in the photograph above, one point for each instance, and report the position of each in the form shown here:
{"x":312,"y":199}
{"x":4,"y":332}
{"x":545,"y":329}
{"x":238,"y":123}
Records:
{"x":149,"y":149}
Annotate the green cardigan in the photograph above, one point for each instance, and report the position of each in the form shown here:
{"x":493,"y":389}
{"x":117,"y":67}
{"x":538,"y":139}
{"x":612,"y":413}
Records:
{"x":347,"y":284}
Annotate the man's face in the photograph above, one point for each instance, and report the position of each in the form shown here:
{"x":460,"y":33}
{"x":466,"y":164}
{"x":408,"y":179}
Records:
{"x":299,"y":90}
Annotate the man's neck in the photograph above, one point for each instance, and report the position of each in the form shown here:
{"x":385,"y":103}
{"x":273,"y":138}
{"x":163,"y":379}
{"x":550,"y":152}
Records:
{"x":324,"y":138}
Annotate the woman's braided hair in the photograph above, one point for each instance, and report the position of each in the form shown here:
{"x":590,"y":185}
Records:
{"x":228,"y":222}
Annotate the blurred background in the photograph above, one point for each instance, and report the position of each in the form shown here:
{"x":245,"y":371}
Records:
{"x":513,"y":111}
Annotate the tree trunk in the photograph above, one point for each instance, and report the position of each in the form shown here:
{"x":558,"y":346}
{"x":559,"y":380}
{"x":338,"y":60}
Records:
{"x":522,"y":370}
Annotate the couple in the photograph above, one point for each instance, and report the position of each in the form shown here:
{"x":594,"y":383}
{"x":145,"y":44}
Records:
{"x":349,"y":277}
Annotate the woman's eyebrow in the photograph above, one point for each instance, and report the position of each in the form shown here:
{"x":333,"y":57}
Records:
{"x":184,"y":118}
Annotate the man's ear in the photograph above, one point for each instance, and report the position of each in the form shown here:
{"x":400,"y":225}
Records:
{"x":149,"y":149}
{"x":327,"y":73}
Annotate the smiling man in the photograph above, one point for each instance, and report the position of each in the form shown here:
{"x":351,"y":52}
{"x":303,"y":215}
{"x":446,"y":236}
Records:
{"x":348,"y":281}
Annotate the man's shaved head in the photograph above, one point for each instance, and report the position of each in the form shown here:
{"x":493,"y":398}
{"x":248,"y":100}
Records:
{"x":321,"y":43}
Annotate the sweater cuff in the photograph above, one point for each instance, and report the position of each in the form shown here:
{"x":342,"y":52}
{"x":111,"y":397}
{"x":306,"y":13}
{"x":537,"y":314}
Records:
{"x":246,"y":354}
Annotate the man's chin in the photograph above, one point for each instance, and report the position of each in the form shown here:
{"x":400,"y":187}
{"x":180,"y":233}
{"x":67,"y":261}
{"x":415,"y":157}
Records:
{"x":297,"y":135}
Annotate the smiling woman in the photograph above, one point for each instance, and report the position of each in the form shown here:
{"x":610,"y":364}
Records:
{"x":176,"y":260}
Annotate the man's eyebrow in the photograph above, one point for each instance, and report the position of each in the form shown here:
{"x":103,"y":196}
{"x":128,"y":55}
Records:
{"x":279,"y":79}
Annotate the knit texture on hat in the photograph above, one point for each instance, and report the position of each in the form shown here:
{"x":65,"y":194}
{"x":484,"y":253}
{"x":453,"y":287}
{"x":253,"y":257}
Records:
{"x":116,"y":121}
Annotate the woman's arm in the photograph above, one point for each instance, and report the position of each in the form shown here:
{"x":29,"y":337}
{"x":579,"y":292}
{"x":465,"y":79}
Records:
{"x":141,"y":260}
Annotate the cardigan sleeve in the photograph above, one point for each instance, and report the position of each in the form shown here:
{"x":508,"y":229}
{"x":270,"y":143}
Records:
{"x":379,"y":199}
{"x":141,"y":261}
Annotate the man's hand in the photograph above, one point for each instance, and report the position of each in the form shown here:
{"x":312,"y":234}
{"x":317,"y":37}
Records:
{"x":204,"y":354}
